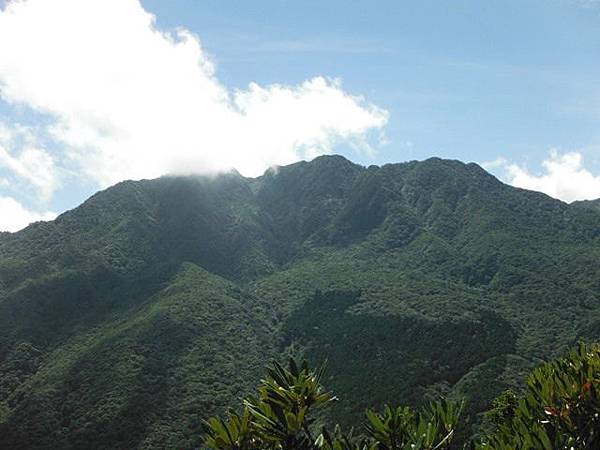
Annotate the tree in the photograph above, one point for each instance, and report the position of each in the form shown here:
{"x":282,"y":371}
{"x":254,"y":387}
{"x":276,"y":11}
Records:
{"x":503,"y":408}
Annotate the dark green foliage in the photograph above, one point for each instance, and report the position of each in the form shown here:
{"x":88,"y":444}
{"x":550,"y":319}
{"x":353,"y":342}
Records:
{"x":147,"y":378}
{"x":592,"y":204}
{"x":402,"y":429}
{"x":153,"y":305}
{"x":339,"y":440}
{"x":503,"y":408}
{"x":282,"y":417}
{"x":389,"y":350}
{"x":559,"y":410}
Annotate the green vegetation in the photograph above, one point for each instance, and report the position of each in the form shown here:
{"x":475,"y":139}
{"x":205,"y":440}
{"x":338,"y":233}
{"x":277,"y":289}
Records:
{"x":560,"y":410}
{"x":282,"y":417}
{"x":126,"y":322}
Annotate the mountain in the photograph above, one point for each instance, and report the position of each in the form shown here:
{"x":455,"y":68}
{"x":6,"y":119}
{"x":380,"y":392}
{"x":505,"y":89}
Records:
{"x":157,"y":303}
{"x":594,"y":204}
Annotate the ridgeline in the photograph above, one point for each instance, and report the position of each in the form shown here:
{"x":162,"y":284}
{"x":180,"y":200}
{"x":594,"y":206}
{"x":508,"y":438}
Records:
{"x":155,"y":304}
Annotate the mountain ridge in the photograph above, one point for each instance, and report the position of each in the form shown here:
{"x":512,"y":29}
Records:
{"x":411,"y":279}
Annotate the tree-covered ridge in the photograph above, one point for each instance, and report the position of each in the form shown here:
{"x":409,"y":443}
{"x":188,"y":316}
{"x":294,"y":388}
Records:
{"x":123,"y":381}
{"x":592,"y":204}
{"x":473,"y":281}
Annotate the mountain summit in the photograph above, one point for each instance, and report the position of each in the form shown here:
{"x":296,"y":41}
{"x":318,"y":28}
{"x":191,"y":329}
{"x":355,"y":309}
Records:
{"x":156,"y":303}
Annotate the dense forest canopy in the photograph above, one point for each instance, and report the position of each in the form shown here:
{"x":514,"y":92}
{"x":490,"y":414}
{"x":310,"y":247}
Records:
{"x":156,"y":304}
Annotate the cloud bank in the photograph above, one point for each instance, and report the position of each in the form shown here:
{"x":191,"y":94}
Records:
{"x":15,"y":216}
{"x":120,"y":99}
{"x":565,"y":177}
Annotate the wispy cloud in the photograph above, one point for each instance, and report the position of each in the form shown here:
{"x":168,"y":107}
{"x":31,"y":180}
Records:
{"x":586,"y":3}
{"x":21,"y":157}
{"x":330,"y":44}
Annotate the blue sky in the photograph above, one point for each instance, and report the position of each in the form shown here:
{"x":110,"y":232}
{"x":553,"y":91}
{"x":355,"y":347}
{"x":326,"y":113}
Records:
{"x":469,"y":80}
{"x":512,"y":85}
{"x":463,"y":79}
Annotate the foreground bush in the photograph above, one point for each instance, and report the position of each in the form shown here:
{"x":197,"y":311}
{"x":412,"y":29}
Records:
{"x":282,"y":417}
{"x":560,"y":410}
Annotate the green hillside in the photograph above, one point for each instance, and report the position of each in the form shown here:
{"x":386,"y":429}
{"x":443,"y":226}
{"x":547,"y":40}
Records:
{"x":157,"y":303}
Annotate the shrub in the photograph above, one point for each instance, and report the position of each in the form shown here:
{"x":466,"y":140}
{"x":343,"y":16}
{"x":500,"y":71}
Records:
{"x":281,"y":416}
{"x":559,"y":410}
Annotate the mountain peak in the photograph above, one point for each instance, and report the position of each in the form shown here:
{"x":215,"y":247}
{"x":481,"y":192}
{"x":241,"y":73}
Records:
{"x":427,"y":269}
{"x":591,"y":204}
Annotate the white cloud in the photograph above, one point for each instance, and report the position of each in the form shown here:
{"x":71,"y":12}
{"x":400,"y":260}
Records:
{"x":14,"y":216}
{"x":25,"y":161}
{"x":129,"y":101}
{"x":34,"y":166}
{"x":565,"y":177}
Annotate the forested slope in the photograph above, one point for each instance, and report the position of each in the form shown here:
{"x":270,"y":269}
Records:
{"x":157,"y":303}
